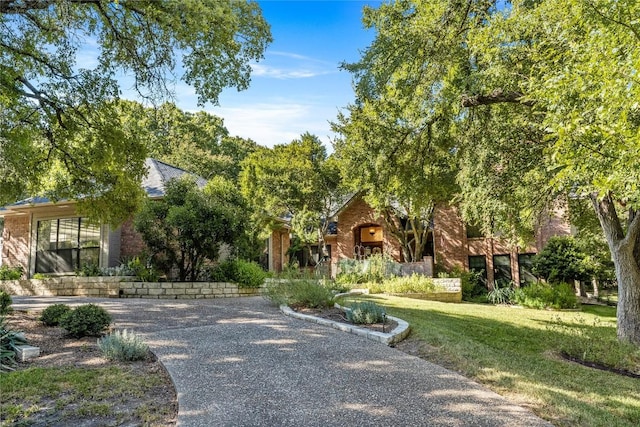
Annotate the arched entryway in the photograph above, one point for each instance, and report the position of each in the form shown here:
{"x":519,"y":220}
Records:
{"x":368,"y":239}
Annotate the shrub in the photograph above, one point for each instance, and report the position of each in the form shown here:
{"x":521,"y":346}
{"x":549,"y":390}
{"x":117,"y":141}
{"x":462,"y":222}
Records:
{"x":5,"y":303}
{"x":11,"y":273}
{"x":366,"y":313}
{"x":473,"y":285}
{"x":120,"y":270}
{"x":373,"y":269}
{"x":9,"y":341}
{"x":540,"y":295}
{"x":52,"y":315}
{"x":249,"y":274}
{"x":501,"y":294}
{"x":89,"y":270}
{"x":86,"y":320}
{"x":142,"y":272}
{"x":299,"y":293}
{"x":416,"y":283}
{"x":123,"y":346}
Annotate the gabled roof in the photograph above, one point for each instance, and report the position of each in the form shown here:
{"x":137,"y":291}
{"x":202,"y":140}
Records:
{"x":154,"y":184}
{"x":159,"y":173}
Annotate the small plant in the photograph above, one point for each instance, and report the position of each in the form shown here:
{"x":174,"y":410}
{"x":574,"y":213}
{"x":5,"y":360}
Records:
{"x":249,"y":274}
{"x":89,"y":270}
{"x":5,"y":303}
{"x":86,"y":320}
{"x":123,"y":346}
{"x":366,"y":313}
{"x":52,"y":315}
{"x":11,"y":273}
{"x":120,"y":270}
{"x":40,"y":276}
{"x":501,"y":294}
{"x":416,"y":283}
{"x":9,"y":341}
{"x":143,"y":273}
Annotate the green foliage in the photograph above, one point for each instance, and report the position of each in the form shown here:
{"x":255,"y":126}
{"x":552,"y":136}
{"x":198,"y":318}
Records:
{"x":11,"y":273}
{"x":142,"y":271}
{"x":246,"y":274}
{"x":9,"y":340}
{"x":64,"y":133}
{"x":189,"y":224}
{"x":473,"y":285}
{"x":299,"y":293}
{"x":86,"y":320}
{"x":296,"y":180}
{"x":52,"y":315}
{"x":374,"y":269}
{"x":589,"y":343}
{"x":540,"y":295}
{"x":89,"y":270}
{"x":123,"y":346}
{"x":501,"y":293}
{"x":5,"y":303}
{"x":366,"y":313}
{"x":416,"y":283}
{"x":561,"y":261}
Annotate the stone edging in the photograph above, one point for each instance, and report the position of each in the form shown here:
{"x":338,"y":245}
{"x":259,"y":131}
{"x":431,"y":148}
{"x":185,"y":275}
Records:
{"x":397,"y":335}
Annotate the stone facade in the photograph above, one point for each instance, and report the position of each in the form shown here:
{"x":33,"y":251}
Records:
{"x":16,"y":241}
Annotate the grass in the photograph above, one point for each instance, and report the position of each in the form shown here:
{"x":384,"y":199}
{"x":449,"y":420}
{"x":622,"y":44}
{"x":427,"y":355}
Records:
{"x":74,"y":392}
{"x":515,"y":353}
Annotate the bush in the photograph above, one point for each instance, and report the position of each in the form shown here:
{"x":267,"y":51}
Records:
{"x":416,"y":283}
{"x":9,"y":341}
{"x":52,"y":315}
{"x":123,"y":346}
{"x":11,"y":273}
{"x":246,"y":274}
{"x":86,"y":320}
{"x":501,"y":294}
{"x":89,"y":270}
{"x":299,"y":293}
{"x":5,"y":303}
{"x":373,"y":269}
{"x":540,"y":295}
{"x":142,"y":272}
{"x":249,"y":274}
{"x":366,"y":313}
{"x":473,"y":285}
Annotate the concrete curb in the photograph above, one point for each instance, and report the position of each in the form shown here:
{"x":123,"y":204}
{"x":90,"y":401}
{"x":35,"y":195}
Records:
{"x":388,"y":338}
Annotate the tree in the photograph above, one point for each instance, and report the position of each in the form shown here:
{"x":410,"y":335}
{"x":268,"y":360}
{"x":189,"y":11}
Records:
{"x":188,"y":226}
{"x":295,"y":181}
{"x":61,"y":133}
{"x":543,"y":101}
{"x":561,"y":261}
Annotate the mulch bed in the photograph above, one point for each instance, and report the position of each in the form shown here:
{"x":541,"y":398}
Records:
{"x":599,"y":366}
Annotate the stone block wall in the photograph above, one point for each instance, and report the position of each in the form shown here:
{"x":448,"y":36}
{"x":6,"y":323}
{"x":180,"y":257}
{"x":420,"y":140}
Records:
{"x":119,"y":287}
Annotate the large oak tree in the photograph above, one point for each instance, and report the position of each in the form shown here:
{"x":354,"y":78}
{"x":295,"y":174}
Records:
{"x":61,"y":133}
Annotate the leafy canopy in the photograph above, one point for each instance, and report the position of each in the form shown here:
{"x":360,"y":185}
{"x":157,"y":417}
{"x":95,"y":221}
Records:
{"x":61,"y":133}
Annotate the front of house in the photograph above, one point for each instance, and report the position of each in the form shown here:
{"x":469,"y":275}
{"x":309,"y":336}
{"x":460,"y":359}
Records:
{"x":357,"y":232}
{"x":51,"y":238}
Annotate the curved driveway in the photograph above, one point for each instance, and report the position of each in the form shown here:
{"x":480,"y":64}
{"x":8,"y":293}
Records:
{"x":240,"y":362}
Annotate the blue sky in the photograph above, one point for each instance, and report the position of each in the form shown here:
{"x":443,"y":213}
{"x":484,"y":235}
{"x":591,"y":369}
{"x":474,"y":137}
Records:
{"x":298,"y":86}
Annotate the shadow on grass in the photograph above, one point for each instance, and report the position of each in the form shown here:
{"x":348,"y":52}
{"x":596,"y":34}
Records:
{"x":518,"y":354}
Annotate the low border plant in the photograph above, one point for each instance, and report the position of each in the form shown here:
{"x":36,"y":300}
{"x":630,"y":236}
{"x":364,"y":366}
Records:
{"x":123,"y":346}
{"x":366,"y":312}
{"x":5,"y":303}
{"x":11,"y":273}
{"x":299,"y":293}
{"x":86,"y":320}
{"x":9,"y":341}
{"x":52,"y":315}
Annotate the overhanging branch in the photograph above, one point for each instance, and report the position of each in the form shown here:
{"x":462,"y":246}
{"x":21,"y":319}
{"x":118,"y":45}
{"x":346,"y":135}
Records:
{"x":496,"y":97}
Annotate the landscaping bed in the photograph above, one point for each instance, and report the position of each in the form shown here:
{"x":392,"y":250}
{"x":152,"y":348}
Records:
{"x":338,"y":315}
{"x":70,"y":383}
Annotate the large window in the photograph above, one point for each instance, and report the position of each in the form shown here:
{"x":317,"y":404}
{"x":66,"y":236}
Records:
{"x":66,"y":244}
{"x":502,"y":269}
{"x":524,"y":266}
{"x":478,"y":264}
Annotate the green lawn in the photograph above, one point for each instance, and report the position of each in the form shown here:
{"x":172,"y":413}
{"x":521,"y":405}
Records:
{"x":514,"y":352}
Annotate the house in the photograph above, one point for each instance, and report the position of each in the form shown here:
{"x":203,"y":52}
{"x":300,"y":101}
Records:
{"x":357,"y":231}
{"x":51,"y":238}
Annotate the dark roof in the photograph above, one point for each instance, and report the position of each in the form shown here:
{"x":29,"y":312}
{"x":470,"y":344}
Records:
{"x":154,"y":183}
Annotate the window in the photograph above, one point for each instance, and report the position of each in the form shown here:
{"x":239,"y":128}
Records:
{"x":478,"y":264}
{"x":474,"y":231}
{"x":501,"y":269}
{"x":66,"y":244}
{"x":524,"y":267}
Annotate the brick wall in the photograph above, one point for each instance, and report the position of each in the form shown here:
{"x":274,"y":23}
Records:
{"x":131,"y":243}
{"x":15,"y":249}
{"x":358,"y":213}
{"x":554,"y":223}
{"x":449,"y":238}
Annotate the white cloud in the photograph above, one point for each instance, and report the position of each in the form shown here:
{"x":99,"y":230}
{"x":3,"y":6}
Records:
{"x":275,"y":123}
{"x":261,"y":70}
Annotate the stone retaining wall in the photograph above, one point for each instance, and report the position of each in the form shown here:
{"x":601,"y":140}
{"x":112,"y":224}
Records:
{"x":123,"y":287}
{"x":434,"y":296}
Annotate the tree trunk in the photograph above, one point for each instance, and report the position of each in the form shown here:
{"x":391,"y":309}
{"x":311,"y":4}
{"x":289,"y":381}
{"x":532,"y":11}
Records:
{"x":596,"y":290}
{"x":626,"y":265}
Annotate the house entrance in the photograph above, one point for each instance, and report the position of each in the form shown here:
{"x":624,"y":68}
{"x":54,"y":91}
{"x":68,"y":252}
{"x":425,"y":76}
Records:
{"x":367,"y":241}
